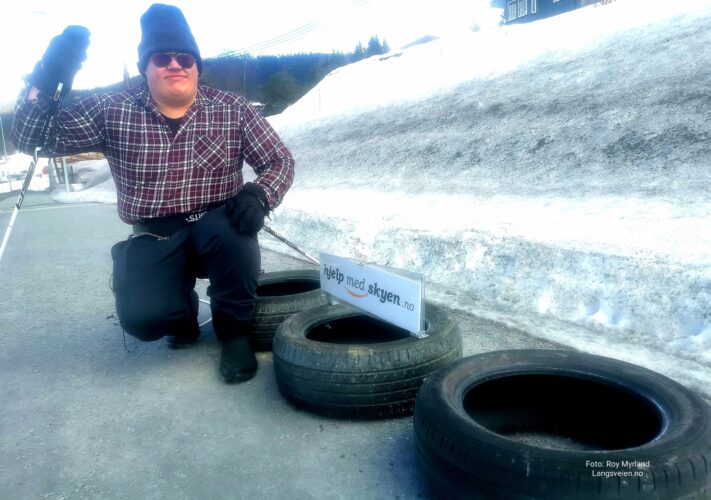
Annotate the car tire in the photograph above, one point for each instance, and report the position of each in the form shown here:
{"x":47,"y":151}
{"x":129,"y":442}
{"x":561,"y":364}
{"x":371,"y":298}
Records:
{"x":279,"y":295}
{"x":339,"y":362}
{"x":540,"y":424}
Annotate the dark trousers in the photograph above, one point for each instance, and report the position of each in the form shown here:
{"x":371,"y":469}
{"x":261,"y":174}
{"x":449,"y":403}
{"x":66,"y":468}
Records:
{"x":154,"y":277}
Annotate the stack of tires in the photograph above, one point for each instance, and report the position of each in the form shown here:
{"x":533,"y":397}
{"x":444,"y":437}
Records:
{"x":337,"y":361}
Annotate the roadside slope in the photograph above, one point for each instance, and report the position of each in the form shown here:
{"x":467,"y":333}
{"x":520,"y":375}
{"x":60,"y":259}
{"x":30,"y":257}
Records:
{"x":571,"y":190}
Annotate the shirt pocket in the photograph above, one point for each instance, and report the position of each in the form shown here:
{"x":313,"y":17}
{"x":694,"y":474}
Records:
{"x":210,"y":152}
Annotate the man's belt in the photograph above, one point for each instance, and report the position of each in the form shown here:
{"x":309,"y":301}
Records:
{"x":167,"y":226}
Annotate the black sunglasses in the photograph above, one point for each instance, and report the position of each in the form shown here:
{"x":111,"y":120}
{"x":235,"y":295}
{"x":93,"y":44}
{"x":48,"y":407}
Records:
{"x":162,"y":59}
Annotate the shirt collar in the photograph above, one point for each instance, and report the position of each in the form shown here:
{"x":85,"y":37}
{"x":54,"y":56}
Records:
{"x":144,"y":98}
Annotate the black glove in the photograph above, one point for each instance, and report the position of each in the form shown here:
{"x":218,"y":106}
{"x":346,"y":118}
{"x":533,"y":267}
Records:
{"x":247,"y":209}
{"x":61,"y":61}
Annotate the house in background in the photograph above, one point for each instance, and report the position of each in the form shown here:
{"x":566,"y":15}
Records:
{"x":525,"y":11}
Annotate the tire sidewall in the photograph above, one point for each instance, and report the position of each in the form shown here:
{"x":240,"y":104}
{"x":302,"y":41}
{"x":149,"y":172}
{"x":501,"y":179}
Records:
{"x":295,"y":329}
{"x":282,"y":277}
{"x":359,"y":380}
{"x":440,"y":403}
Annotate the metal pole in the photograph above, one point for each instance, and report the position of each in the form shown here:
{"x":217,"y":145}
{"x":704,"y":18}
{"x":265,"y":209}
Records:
{"x":66,"y":174}
{"x":31,"y":170}
{"x":2,"y":132}
{"x":51,"y":174}
{"x":20,"y":199}
{"x":290,"y":244}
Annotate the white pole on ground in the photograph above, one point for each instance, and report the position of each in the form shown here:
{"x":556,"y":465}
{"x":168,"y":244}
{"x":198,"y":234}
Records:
{"x":7,"y":233}
{"x":20,"y":199}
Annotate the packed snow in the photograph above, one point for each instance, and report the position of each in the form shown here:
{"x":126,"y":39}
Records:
{"x":554,"y":176}
{"x":12,"y":173}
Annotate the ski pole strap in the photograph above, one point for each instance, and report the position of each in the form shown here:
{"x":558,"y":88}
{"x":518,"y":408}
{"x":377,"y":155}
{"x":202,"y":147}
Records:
{"x":51,"y":114}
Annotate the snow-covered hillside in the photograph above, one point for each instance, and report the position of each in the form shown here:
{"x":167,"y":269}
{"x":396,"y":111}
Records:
{"x":554,"y":176}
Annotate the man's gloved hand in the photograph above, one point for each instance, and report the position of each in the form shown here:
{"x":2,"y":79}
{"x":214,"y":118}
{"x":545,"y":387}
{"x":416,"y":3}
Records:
{"x":247,"y":209}
{"x":61,"y":61}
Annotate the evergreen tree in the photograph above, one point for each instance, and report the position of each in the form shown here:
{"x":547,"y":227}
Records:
{"x":359,"y":52}
{"x":281,"y":90}
{"x":374,"y":47}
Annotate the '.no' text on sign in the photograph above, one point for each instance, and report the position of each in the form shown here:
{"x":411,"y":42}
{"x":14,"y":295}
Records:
{"x":391,"y":294}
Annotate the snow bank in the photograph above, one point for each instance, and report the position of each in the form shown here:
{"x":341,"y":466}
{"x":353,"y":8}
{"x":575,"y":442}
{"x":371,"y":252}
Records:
{"x":13,"y":170}
{"x":559,"y":182}
{"x":414,"y":73}
{"x":95,"y":176}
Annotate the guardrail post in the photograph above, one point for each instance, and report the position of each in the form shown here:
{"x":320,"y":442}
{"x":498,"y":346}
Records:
{"x":66,"y":174}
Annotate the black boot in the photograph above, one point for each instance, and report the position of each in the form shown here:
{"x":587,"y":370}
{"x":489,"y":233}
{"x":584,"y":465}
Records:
{"x":237,"y":361}
{"x":190,"y":333}
{"x":185,"y":338}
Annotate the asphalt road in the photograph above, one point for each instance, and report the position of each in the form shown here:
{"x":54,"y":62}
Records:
{"x":87,"y":413}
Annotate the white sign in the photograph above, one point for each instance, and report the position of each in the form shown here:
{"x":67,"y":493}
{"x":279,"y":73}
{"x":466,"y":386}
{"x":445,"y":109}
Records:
{"x":391,"y":294}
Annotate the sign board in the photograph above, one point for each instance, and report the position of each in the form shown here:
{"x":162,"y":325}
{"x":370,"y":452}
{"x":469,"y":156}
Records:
{"x":393,"y":295}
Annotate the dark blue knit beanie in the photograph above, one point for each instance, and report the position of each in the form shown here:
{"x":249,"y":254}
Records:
{"x":165,"y":29}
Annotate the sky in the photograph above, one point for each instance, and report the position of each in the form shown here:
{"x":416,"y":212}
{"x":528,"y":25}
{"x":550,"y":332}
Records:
{"x":589,"y":229}
{"x":261,"y":27}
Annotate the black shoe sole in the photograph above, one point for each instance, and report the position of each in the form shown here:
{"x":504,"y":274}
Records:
{"x":173,"y":344}
{"x":240,"y":377}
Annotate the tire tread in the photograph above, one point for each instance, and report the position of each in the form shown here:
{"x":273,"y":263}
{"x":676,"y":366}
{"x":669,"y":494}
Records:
{"x":271,"y":311}
{"x":478,"y":466}
{"x":358,"y":380}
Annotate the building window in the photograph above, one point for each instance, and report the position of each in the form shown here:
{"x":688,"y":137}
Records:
{"x":534,"y":6}
{"x":522,"y":8}
{"x":512,"y":12}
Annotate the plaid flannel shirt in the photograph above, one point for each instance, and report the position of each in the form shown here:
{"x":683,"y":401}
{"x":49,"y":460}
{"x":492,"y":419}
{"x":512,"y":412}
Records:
{"x":156,"y":174}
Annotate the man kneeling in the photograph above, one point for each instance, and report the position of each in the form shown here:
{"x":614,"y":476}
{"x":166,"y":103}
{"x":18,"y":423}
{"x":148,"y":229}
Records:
{"x":176,"y":150}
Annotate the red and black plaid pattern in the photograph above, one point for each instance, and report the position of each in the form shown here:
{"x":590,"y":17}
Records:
{"x":156,"y":174}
